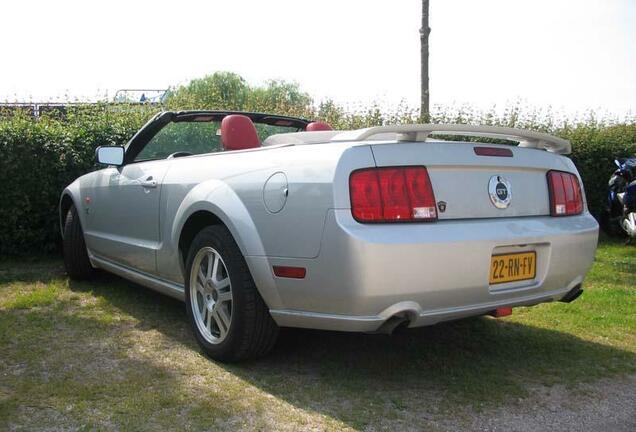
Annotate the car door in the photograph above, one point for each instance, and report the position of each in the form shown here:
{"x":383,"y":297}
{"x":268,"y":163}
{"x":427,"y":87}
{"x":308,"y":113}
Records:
{"x":123,"y":214}
{"x":123,"y":203}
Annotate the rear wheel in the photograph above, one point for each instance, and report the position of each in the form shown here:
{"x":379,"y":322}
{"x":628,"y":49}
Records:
{"x":76,"y":261}
{"x":230,"y":319}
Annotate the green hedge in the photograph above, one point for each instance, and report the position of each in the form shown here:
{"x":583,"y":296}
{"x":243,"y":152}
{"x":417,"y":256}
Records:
{"x":594,"y":149}
{"x":38,"y":157}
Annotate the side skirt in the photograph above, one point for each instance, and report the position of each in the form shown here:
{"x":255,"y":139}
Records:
{"x":164,"y":287}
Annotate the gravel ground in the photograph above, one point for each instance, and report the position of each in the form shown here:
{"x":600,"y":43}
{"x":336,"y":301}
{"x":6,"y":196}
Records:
{"x":607,"y":406}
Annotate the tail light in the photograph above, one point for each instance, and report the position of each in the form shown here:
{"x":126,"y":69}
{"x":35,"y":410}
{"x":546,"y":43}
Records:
{"x":566,"y":198}
{"x":393,"y":194}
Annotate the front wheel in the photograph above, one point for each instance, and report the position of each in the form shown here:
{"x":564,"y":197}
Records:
{"x":76,"y":262}
{"x":611,"y":225}
{"x":230,"y":319}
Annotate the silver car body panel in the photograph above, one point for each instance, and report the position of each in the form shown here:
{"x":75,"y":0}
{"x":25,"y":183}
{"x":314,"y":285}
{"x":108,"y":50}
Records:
{"x":435,"y":272}
{"x":358,"y":275}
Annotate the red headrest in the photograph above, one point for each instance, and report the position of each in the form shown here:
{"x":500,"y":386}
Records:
{"x":238,"y":133}
{"x":318,"y":126}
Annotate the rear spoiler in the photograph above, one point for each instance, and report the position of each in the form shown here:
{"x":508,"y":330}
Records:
{"x":419,"y":132}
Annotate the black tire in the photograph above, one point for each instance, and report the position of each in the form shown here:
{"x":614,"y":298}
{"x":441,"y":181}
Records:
{"x":252,"y":332}
{"x":76,"y":262}
{"x":611,"y":226}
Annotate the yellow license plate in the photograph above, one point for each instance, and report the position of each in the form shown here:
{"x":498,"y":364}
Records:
{"x":513,"y":267}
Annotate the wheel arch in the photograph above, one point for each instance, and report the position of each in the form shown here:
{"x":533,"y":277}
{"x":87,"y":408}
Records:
{"x":214,"y":203}
{"x":192,"y":226}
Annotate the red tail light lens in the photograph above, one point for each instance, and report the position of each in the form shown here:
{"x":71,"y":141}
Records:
{"x":394,"y":194}
{"x":366,"y":202}
{"x":566,"y":198}
{"x":395,"y":201}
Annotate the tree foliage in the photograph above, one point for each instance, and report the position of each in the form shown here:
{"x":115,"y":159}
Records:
{"x":229,"y":91}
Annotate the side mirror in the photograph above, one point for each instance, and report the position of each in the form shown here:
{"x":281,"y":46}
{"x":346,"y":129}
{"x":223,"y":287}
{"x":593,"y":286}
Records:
{"x":110,"y":155}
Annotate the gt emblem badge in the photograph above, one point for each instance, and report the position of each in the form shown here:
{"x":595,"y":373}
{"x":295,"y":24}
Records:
{"x":441,"y":206}
{"x":500,"y":191}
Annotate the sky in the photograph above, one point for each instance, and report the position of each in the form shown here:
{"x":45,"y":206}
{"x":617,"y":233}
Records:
{"x":571,"y":55}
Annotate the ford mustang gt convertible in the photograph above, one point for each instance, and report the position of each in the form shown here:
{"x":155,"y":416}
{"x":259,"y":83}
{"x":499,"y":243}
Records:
{"x":260,"y":221}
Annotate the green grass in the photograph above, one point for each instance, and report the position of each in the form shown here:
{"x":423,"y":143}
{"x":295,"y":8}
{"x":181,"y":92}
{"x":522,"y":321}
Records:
{"x":112,"y":355}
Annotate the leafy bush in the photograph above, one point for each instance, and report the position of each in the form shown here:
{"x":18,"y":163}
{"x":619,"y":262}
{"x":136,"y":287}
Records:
{"x":38,"y":157}
{"x":594,"y":149}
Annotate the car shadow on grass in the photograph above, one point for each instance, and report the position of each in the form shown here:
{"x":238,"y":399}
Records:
{"x":478,"y":362}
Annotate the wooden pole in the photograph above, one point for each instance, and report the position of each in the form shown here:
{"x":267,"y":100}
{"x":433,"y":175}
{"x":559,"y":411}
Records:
{"x":425,"y":31}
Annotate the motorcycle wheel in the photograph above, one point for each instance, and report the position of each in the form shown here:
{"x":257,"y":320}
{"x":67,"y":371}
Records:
{"x":611,"y":226}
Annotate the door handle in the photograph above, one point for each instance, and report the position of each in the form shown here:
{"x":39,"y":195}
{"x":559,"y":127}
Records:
{"x":149,"y":183}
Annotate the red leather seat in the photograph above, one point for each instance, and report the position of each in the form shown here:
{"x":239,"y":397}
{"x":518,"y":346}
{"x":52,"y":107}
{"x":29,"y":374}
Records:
{"x":318,"y":126}
{"x":238,"y":133}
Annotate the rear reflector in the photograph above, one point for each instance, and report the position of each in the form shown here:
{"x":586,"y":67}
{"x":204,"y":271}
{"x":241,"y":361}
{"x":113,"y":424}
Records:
{"x":492,"y":151}
{"x":566,"y":198}
{"x":501,"y":312}
{"x":392,"y":194}
{"x":290,"y":272}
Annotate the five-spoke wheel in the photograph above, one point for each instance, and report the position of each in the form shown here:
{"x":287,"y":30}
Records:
{"x":230,"y":319}
{"x":211,"y":295}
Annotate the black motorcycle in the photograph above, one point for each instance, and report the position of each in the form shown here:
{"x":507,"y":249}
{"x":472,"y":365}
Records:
{"x":619,"y":217}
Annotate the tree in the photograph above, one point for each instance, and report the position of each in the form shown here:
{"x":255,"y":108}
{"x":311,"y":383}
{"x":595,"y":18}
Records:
{"x":425,"y":31}
{"x":221,"y":90}
{"x":229,"y":91}
{"x":281,"y":97}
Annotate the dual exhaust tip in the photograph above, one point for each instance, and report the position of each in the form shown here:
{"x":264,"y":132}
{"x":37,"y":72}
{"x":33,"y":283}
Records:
{"x":402,"y":320}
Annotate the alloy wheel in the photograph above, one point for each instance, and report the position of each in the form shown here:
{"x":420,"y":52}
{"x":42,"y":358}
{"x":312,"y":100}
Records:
{"x":211,"y":295}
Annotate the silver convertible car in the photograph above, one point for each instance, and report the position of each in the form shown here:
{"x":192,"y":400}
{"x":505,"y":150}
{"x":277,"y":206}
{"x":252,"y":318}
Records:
{"x":260,"y":221}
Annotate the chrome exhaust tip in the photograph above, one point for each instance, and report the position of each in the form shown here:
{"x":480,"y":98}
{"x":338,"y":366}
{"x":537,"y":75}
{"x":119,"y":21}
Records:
{"x":572,"y":295}
{"x":389,"y":326}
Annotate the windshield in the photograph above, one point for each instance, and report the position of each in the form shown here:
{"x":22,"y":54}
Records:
{"x":189,"y":137}
{"x":196,"y":136}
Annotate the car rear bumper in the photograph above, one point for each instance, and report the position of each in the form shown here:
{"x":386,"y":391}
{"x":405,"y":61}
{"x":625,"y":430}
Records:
{"x":427,"y":273}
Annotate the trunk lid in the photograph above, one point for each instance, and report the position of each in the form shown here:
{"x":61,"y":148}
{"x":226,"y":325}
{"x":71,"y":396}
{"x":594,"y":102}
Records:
{"x":462,"y":179}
